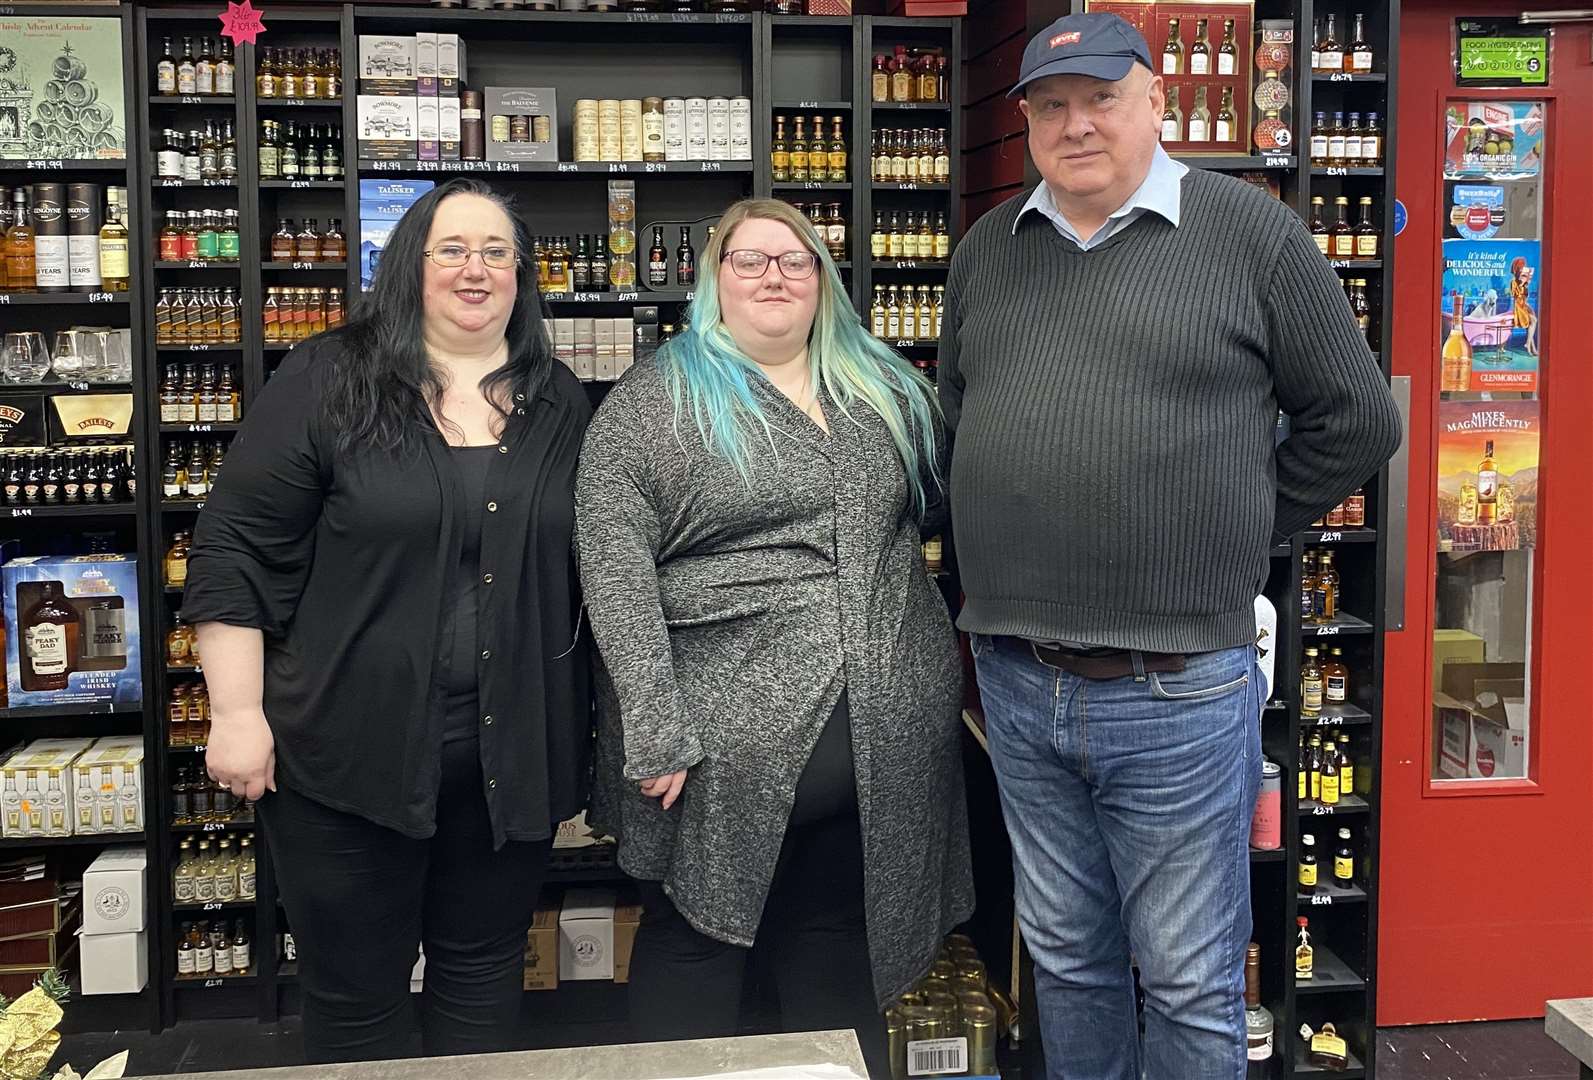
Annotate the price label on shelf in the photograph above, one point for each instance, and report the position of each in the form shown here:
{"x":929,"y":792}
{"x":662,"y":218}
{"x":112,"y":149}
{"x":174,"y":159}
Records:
{"x":1339,"y":264}
{"x":906,"y":264}
{"x":569,"y":166}
{"x":691,"y":295}
{"x":101,"y":297}
{"x":504,"y":166}
{"x":192,"y":99}
{"x":49,"y":163}
{"x":1337,"y":170}
{"x":1321,"y":811}
{"x":1330,"y":537}
{"x":21,"y":512}
{"x":214,"y":982}
{"x":427,"y":166}
{"x":199,"y":429}
{"x":656,"y":166}
{"x":5,"y":298}
{"x":213,"y":905}
{"x":171,"y":181}
{"x":1341,"y":76}
{"x":1319,"y":900}
{"x":629,"y":296}
{"x":302,"y":266}
{"x":199,"y":348}
{"x":1277,"y":161}
{"x":215,"y":826}
{"x":1325,"y":631}
{"x":713,"y":166}
{"x":807,"y":104}
{"x":216,"y":183}
{"x":78,"y":385}
{"x":385,"y":166}
{"x":588,"y":297}
{"x":298,"y":183}
{"x":619,"y":166}
{"x":1329,"y":721}
{"x":197,"y":264}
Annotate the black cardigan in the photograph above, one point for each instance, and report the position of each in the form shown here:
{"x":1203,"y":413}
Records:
{"x":344,"y":561}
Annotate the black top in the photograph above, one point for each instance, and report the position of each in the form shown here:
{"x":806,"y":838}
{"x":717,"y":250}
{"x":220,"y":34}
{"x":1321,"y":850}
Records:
{"x":462,"y":719}
{"x":347,"y":563}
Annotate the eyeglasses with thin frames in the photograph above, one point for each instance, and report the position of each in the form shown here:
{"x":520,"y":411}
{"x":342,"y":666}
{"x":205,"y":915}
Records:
{"x":793,"y":265}
{"x":497,"y":256}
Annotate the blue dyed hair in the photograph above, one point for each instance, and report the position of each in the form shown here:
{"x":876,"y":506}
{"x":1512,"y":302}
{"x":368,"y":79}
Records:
{"x":711,"y":379}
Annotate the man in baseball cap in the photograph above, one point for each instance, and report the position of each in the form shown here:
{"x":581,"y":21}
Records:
{"x":1116,"y":348}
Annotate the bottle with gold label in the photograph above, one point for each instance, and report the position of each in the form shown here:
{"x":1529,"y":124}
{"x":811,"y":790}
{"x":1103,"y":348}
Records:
{"x":1304,"y":952}
{"x":901,"y":76}
{"x":799,"y":152}
{"x":1346,"y":765}
{"x":876,"y":311}
{"x":837,"y":152}
{"x":1366,"y":233}
{"x":896,"y":239}
{"x":1327,"y":589}
{"x":1311,"y":684}
{"x":115,"y":271}
{"x":780,"y":153}
{"x":1314,"y":766}
{"x":1344,"y":861}
{"x":880,"y":78}
{"x":1318,"y":226}
{"x":1307,"y":876}
{"x":878,"y":238}
{"x":1342,"y":235}
{"x":942,"y":158}
{"x":1330,"y":774}
{"x":1328,"y":1049}
{"x":942,"y":241}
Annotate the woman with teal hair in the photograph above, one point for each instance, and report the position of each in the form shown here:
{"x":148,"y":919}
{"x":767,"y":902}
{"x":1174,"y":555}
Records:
{"x":778,"y":747}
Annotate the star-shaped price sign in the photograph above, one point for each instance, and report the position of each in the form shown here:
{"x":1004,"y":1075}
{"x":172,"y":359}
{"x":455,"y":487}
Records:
{"x":241,"y":23}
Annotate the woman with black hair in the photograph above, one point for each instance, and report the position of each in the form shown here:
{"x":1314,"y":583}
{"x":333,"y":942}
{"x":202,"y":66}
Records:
{"x":388,"y":611}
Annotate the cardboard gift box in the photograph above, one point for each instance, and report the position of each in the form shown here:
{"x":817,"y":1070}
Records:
{"x":586,"y":935}
{"x":113,"y":963}
{"x":113,"y":892}
{"x":37,"y":796}
{"x":108,"y":786}
{"x":542,"y":949}
{"x":529,"y":102}
{"x":89,"y":653}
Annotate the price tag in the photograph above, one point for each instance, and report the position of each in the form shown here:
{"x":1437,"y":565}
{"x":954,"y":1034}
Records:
{"x":713,"y":166}
{"x":216,"y":183}
{"x":171,"y":181}
{"x":214,"y":982}
{"x":904,"y":344}
{"x":1339,"y":264}
{"x":192,"y":99}
{"x":588,"y":297}
{"x":1277,"y":161}
{"x":215,"y":826}
{"x":1325,"y":631}
{"x":78,"y":385}
{"x":906,"y":186}
{"x":807,"y":104}
{"x":474,"y":166}
{"x":199,"y":428}
{"x":691,"y":294}
{"x":213,"y":905}
{"x":1319,"y":900}
{"x":426,"y":166}
{"x":199,"y":348}
{"x":21,"y":512}
{"x":628,"y":296}
{"x":200,"y":749}
{"x":5,"y":298}
{"x":1341,"y":76}
{"x":1330,"y":537}
{"x":302,"y":266}
{"x":906,"y":264}
{"x":298,"y":183}
{"x":1337,"y":170}
{"x":725,"y":18}
{"x":656,"y":166}
{"x":1329,"y":721}
{"x":101,"y":297}
{"x":506,"y":166}
{"x":619,"y":166}
{"x":385,"y":166}
{"x":47,"y":163}
{"x":8,"y":10}
{"x":568,"y":166}
{"x":1320,"y":811}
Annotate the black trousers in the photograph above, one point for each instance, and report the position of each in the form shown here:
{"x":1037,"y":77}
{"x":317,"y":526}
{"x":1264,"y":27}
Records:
{"x":361,"y":897}
{"x":686,"y":985}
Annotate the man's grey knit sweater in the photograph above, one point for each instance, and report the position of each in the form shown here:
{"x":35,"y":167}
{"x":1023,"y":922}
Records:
{"x":1114,"y":476}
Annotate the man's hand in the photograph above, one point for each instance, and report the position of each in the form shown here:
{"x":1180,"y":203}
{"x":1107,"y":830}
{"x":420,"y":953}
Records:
{"x":668,"y":787}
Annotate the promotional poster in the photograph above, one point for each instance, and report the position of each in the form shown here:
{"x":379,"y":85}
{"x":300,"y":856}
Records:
{"x":61,"y":89}
{"x":1496,"y":139}
{"x":1497,"y":285}
{"x":1487,"y":475}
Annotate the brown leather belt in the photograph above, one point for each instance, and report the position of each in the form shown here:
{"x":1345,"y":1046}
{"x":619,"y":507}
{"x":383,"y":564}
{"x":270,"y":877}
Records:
{"x":1105,"y":663}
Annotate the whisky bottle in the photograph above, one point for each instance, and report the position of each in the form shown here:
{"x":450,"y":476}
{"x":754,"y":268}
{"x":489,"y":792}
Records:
{"x":658,"y":260}
{"x":942,"y":250}
{"x":182,"y":878}
{"x":1319,"y":229}
{"x":187,"y":74}
{"x":835,"y":238}
{"x":307,"y":244}
{"x":837,"y":155}
{"x":265,"y":76}
{"x":1359,"y":59}
{"x":880,"y":78}
{"x":1200,"y":118}
{"x":558,"y":281}
{"x":1487,"y":488}
{"x":876,"y":311}
{"x":1172,"y":116}
{"x":240,"y":940}
{"x":1173,"y":51}
{"x":205,"y":69}
{"x":221,"y":944}
{"x":1371,"y":141}
{"x":908,"y":316}
{"x":939,"y":315}
{"x":246,"y":884}
{"x":1307,"y":876}
{"x":1311,"y":684}
{"x":893,"y":313}
{"x":1327,"y":590}
{"x":899,"y":155}
{"x":1335,"y":679}
{"x":204,"y":947}
{"x":1346,"y":762}
{"x":21,"y":270}
{"x":1455,"y":363}
{"x":115,"y":270}
{"x":226,"y":875}
{"x":1366,"y":233}
{"x":799,"y":152}
{"x":1352,"y":140}
{"x":780,"y":153}
{"x":1319,"y":140}
{"x":1343,"y":234}
{"x":1307,"y":587}
{"x":686,"y":258}
{"x":878,"y":239}
{"x":1335,"y":142}
{"x":901,"y":76}
{"x":334,"y":245}
{"x":50,"y":640}
{"x":166,"y":70}
{"x":226,"y":70}
{"x":1226,"y":128}
{"x":1330,"y":52}
{"x":1200,"y":51}
{"x":1228,"y":51}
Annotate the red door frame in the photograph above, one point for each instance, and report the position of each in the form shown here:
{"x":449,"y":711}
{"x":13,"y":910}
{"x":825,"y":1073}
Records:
{"x":1487,"y":890}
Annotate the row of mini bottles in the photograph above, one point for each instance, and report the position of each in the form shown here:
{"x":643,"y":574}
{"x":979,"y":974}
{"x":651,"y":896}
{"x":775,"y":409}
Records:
{"x":830,"y":223}
{"x":207,"y":949}
{"x":955,"y":1000}
{"x":288,"y":152}
{"x":1341,"y":240}
{"x":907,"y":75}
{"x":291,"y":315}
{"x":308,"y":243}
{"x":182,"y":645}
{"x":1310,"y":877}
{"x":210,"y":69}
{"x":906,"y":313}
{"x":198,"y":317}
{"x":198,"y":800}
{"x":1361,"y":308}
{"x":68,"y":477}
{"x":1323,"y":683}
{"x":57,"y":256}
{"x":1351,"y":143}
{"x":208,"y":154}
{"x":801,"y":160}
{"x":227,"y":874}
{"x":917,"y":154}
{"x":658,"y":260}
{"x":190,"y":468}
{"x":585,"y":268}
{"x":200,"y":395}
{"x":905,"y":239}
{"x":1200,"y":126}
{"x":312,"y":74}
{"x":188,"y":714}
{"x":1319,"y":587}
{"x":1200,"y":52}
{"x":1330,"y":56}
{"x":1327,"y":771}
{"x":199,"y":236}
{"x":1351,"y":513}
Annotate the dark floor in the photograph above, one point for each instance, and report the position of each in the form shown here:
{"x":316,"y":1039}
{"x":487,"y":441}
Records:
{"x":1515,"y":1050}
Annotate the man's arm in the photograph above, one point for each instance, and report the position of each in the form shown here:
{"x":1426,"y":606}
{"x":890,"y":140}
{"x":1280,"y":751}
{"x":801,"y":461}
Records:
{"x":1343,"y":425}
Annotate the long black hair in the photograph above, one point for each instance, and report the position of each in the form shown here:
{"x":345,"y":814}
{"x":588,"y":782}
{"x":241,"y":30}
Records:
{"x":383,"y":388}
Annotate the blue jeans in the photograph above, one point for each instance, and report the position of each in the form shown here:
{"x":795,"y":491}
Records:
{"x":1129,"y":804}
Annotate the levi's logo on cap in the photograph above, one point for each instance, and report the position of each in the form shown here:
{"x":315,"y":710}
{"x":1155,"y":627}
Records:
{"x":1070,"y":38}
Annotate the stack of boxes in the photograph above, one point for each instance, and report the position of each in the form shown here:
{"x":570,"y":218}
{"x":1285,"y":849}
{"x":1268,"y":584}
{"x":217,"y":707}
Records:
{"x":114,"y":943}
{"x":39,"y":917}
{"x":587,"y":935}
{"x":408,"y":103}
{"x":67,"y":787}
{"x":597,"y":350}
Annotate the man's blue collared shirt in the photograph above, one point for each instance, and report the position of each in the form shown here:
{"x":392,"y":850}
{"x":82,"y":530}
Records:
{"x":1161,"y":193}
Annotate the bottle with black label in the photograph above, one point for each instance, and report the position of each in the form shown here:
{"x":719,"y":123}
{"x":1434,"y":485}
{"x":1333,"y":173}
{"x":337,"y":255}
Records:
{"x":598,"y":274}
{"x":685,"y":260}
{"x":51,"y":261}
{"x":1308,"y":865}
{"x":1344,"y":861}
{"x":658,"y":260}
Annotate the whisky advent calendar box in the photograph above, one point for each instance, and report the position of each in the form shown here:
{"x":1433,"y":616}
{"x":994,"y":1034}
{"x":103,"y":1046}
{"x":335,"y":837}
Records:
{"x":72,"y":631}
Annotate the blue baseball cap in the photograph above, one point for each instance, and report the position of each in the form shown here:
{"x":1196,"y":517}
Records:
{"x":1097,"y":44}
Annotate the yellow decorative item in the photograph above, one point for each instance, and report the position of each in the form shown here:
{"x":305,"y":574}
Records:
{"x":28,"y":1039}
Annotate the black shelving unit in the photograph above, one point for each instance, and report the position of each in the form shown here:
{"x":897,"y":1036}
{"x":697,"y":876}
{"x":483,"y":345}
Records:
{"x":57,"y":529}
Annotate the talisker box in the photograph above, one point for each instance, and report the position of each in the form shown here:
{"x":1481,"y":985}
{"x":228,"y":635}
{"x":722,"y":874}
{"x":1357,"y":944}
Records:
{"x":73,"y":631}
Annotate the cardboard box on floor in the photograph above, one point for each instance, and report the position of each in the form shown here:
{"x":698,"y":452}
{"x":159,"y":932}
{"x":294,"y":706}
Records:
{"x":586,"y":935}
{"x":1454,"y":647}
{"x":542,"y":947}
{"x":627,"y":918}
{"x":1493,"y":697}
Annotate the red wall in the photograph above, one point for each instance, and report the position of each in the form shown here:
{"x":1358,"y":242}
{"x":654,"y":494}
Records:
{"x":992,"y":141}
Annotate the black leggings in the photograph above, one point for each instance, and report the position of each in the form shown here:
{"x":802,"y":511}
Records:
{"x":686,"y":985}
{"x":361,"y":897}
